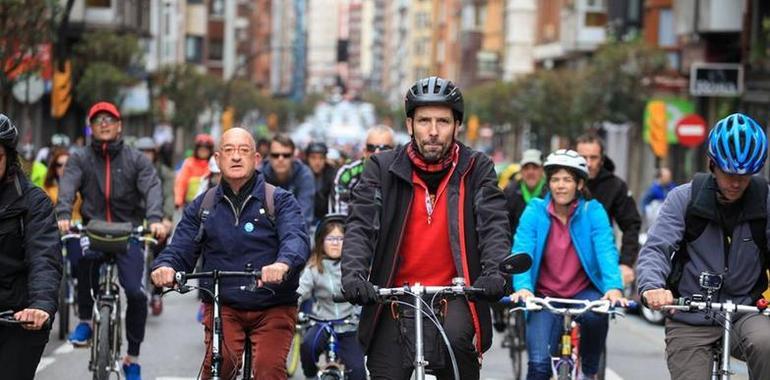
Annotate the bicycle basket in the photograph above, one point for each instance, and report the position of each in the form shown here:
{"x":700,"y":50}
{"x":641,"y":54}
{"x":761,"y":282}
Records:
{"x":110,"y":238}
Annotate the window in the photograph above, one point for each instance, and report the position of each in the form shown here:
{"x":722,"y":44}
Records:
{"x":215,"y":50}
{"x":673,"y":60}
{"x":99,"y":3}
{"x":421,"y":46}
{"x":194,"y":49}
{"x":217,"y":8}
{"x":596,"y":19}
{"x":487,"y":64}
{"x":666,"y":34}
{"x":632,"y":10}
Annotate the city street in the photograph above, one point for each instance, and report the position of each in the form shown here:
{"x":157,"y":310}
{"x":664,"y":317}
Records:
{"x":173,"y":350}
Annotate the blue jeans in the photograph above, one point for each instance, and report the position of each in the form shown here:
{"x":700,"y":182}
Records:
{"x":544,"y":331}
{"x":131,"y":276}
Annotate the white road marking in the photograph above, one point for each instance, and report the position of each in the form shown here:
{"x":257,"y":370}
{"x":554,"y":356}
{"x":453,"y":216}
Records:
{"x":611,"y":375}
{"x":44,"y":362}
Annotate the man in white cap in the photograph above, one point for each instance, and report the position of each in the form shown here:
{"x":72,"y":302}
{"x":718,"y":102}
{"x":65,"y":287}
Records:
{"x":518,"y":193}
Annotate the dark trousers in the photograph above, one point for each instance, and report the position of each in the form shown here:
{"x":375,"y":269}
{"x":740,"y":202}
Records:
{"x":348,"y":350}
{"x":20,"y":352}
{"x":385,"y":359}
{"x":130,"y":274}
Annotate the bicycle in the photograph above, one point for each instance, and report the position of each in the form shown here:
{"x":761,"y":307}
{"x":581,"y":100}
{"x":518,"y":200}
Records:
{"x":332,"y":368}
{"x":67,"y":291}
{"x":515,"y":339}
{"x":293,"y":359}
{"x":217,"y":340}
{"x":567,"y":364}
{"x":720,"y":367}
{"x":109,"y":239}
{"x":7,"y":319}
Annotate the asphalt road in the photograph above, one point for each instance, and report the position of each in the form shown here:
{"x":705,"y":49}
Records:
{"x":173,"y":350}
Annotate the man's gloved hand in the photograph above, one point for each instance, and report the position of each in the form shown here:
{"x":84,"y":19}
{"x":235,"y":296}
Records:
{"x":493,"y":285}
{"x":359,"y":292}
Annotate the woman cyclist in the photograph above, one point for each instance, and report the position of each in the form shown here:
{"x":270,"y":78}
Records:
{"x":54,"y":173}
{"x":193,"y":170}
{"x":574,"y":256}
{"x":321,"y":280}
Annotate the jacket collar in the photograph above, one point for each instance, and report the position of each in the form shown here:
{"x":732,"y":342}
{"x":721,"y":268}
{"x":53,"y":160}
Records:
{"x":402,"y":166}
{"x":112,"y":147}
{"x":258,"y":191}
{"x":705,"y":206}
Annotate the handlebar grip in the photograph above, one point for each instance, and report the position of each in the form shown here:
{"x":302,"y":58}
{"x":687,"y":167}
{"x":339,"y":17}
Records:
{"x":506,"y":300}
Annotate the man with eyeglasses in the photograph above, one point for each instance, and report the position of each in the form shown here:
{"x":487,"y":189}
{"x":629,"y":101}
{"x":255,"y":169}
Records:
{"x":378,"y":139}
{"x":238,"y":231}
{"x":290,"y":174}
{"x":112,"y":179}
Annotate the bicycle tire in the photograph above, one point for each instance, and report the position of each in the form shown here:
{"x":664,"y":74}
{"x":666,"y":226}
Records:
{"x":103,"y":354}
{"x":563,"y":372}
{"x":292,"y":360}
{"x":516,"y":343}
{"x":64,"y":309}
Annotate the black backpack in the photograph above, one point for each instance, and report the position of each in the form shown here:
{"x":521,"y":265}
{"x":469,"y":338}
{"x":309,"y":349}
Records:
{"x":695,"y":225}
{"x":208,"y":203}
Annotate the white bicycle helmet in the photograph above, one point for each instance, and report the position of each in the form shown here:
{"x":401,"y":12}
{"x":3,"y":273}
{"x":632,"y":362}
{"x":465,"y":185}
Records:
{"x":566,"y":158}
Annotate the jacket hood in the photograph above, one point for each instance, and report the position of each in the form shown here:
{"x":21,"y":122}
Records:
{"x":112,"y":147}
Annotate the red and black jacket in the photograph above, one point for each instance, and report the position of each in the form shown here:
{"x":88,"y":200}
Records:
{"x":478,"y":227}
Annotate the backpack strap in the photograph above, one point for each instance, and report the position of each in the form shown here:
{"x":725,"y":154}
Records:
{"x":205,"y":210}
{"x":270,"y":201}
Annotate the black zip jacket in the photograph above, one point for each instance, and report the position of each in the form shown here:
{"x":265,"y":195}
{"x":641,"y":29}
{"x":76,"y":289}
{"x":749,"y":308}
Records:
{"x":30,"y":250}
{"x":478,"y":228}
{"x":113,"y":180}
{"x":614,"y":195}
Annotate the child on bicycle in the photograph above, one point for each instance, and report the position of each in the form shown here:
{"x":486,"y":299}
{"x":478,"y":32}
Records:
{"x":574,"y":256}
{"x":321,"y":281}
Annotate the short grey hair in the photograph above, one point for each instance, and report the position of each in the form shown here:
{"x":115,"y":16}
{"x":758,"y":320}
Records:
{"x":380,"y":128}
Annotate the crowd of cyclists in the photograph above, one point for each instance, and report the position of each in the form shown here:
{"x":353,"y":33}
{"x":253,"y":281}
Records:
{"x":320,"y":230}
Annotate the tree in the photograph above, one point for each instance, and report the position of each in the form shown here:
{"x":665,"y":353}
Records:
{"x":24,"y":30}
{"x":191,"y":92}
{"x":103,"y":62}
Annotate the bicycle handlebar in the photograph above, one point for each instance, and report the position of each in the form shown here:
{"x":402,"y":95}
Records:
{"x":549,"y":303}
{"x":686,"y":304}
{"x":7,"y":319}
{"x":312,"y":320}
{"x":76,"y":231}
{"x":182,"y":277}
{"x":419,"y":289}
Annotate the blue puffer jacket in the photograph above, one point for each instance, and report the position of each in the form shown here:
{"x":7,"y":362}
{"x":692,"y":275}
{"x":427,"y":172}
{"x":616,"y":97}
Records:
{"x":591,"y":235}
{"x":231,"y":240}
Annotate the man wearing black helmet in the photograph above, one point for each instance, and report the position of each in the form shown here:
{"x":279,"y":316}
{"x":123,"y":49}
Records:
{"x":323,"y":173}
{"x":405,"y":202}
{"x":30,"y":262}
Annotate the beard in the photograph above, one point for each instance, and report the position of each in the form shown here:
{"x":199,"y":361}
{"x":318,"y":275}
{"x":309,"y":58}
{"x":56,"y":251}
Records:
{"x":430,"y":153}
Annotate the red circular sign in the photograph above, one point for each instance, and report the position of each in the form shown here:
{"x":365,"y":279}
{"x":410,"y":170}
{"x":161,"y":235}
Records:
{"x":691,"y":130}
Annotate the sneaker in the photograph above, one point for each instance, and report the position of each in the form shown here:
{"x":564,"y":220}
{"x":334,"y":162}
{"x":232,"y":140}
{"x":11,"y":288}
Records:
{"x":156,"y":305}
{"x":81,"y":336}
{"x":201,"y":313}
{"x":133,"y":371}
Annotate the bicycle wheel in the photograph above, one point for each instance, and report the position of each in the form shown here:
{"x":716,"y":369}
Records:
{"x":516,"y":344}
{"x":64,"y":309}
{"x":292,"y":360}
{"x":563,"y":372}
{"x":103,"y":354}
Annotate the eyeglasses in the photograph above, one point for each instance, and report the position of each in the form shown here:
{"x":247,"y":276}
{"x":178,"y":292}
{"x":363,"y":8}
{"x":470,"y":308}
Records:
{"x":60,"y":164}
{"x":243,"y":150}
{"x":280,"y":155}
{"x":371,"y":148}
{"x":103,"y":119}
{"x":334,"y":239}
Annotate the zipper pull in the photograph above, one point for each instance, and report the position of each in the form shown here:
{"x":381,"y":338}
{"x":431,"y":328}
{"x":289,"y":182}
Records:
{"x":429,"y":219}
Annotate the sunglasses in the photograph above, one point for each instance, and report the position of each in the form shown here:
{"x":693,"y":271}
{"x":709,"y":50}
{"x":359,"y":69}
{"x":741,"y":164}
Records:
{"x":371,"y":148}
{"x":280,"y":155}
{"x":103,"y":119}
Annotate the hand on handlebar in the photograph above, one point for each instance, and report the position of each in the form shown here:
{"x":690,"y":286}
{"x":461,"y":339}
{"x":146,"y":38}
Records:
{"x":521,"y":295}
{"x":273,"y":273}
{"x":158,"y":230}
{"x":163,"y":277}
{"x":615,"y":296}
{"x":37,"y":317}
{"x":493,"y":286}
{"x":360,"y":292}
{"x":64,"y":226}
{"x":657,"y":298}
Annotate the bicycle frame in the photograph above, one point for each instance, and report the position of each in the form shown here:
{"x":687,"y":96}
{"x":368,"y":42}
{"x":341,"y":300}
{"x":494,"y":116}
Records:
{"x":332,"y":360}
{"x":721,"y":369}
{"x":416,"y":292}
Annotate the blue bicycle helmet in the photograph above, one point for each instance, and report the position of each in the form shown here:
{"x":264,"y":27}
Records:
{"x":738,"y":145}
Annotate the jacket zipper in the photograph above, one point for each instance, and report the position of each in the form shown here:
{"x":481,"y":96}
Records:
{"x":237,"y":213}
{"x":107,"y":181}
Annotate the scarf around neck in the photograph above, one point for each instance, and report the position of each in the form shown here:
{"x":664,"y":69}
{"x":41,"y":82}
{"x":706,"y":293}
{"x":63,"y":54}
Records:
{"x":419,"y":162}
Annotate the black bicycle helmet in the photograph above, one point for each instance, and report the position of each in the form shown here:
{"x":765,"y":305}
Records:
{"x":9,"y":134}
{"x":434,"y":91}
{"x":316,"y":147}
{"x":329,"y":218}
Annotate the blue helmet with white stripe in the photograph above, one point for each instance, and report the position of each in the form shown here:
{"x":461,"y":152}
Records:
{"x":738,"y":145}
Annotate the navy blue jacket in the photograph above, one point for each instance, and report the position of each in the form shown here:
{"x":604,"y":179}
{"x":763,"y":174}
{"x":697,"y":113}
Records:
{"x":301,"y":184}
{"x":233,"y":239}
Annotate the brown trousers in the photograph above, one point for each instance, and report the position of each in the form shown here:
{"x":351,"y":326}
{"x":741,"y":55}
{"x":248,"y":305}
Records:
{"x":688,"y":348}
{"x":270,"y":331}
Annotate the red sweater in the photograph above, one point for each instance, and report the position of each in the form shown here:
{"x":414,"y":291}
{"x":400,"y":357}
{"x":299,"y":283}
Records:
{"x":426,"y":252}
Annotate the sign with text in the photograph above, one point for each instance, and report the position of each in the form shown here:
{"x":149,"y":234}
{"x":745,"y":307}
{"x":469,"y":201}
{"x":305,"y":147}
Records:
{"x":716,"y":79}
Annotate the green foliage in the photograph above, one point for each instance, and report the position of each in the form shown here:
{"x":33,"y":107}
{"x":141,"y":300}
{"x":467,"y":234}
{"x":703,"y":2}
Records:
{"x":190,"y":90}
{"x":101,"y":64}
